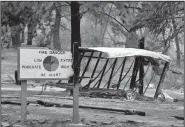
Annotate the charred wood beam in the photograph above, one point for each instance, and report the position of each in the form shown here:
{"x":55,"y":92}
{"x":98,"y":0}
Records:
{"x":87,"y":50}
{"x":126,"y":83}
{"x":81,"y":57}
{"x":175,"y":72}
{"x":141,"y":69}
{"x":104,"y":68}
{"x":148,"y":83}
{"x":126,"y":75}
{"x":96,"y":57}
{"x":111,"y":74}
{"x":141,"y":77}
{"x":161,"y":80}
{"x":134,"y":73}
{"x":115,"y":74}
{"x":121,"y":73}
{"x":51,"y":104}
{"x":93,"y":79}
{"x":94,"y":70}
{"x":144,"y":73}
{"x":87,"y":65}
{"x":105,"y":73}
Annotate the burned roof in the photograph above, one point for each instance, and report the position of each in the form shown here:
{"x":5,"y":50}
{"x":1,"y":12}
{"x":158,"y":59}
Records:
{"x":125,"y":52}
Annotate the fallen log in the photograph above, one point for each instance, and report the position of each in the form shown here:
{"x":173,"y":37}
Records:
{"x":179,"y":117}
{"x":51,"y":104}
{"x":127,"y":112}
{"x":12,"y":102}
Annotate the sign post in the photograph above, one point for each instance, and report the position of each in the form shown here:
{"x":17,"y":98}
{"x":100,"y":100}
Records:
{"x":76,"y":84}
{"x":0,"y":84}
{"x":41,"y":64}
{"x":23,"y":102}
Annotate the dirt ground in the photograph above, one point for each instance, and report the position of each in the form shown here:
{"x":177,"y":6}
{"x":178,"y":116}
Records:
{"x":158,"y":114}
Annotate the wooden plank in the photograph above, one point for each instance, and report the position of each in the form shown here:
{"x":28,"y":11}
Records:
{"x":87,"y":65}
{"x":104,"y":68}
{"x":149,"y":83}
{"x":23,"y":101}
{"x":94,"y":70}
{"x":141,"y":77}
{"x":76,"y":103}
{"x":110,"y":77}
{"x":121,"y":73}
{"x":161,"y":80}
{"x":94,"y":57}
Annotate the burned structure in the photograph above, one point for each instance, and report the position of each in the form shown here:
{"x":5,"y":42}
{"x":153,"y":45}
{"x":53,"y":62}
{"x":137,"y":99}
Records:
{"x":121,"y":68}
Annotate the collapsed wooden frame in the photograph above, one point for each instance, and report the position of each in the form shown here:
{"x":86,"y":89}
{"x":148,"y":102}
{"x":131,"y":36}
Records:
{"x":139,"y":60}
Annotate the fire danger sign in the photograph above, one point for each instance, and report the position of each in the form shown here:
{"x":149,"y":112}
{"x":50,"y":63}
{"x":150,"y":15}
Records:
{"x":42,"y":63}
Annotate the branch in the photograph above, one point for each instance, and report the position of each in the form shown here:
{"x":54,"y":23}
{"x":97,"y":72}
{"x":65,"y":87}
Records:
{"x":68,"y":3}
{"x":119,"y":23}
{"x":111,"y":38}
{"x":65,"y":27}
{"x":115,"y":20}
{"x":82,"y":13}
{"x":132,"y":7}
{"x":54,"y":8}
{"x":106,"y":25}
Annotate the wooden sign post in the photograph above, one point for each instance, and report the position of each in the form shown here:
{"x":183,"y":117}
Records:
{"x":23,"y":101}
{"x":0,"y":80}
{"x":76,"y":83}
{"x":41,"y":64}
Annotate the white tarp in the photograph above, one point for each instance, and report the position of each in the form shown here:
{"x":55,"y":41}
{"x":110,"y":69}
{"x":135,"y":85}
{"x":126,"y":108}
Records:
{"x":125,"y":52}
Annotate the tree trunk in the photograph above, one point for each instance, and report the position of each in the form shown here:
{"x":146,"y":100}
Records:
{"x":178,"y":50}
{"x":176,"y":42}
{"x":105,"y":28}
{"x":30,"y":33}
{"x":75,"y":23}
{"x":31,"y":29}
{"x":22,"y":38}
{"x":15,"y":34}
{"x":75,"y":30}
{"x":138,"y":66}
{"x":141,"y":69}
{"x":56,"y":32}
